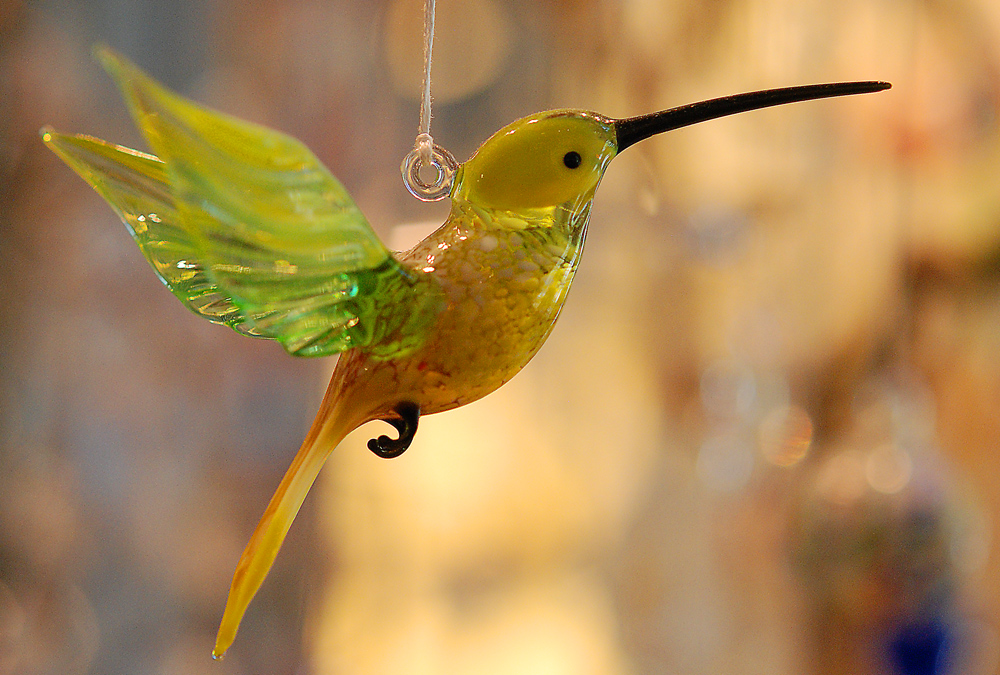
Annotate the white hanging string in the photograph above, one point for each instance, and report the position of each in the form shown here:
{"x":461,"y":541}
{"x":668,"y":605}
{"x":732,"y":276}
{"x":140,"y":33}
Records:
{"x":425,"y":151}
{"x":425,"y":143}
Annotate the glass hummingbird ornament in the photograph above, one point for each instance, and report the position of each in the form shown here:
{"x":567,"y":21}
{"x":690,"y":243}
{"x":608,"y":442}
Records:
{"x":247,"y":228}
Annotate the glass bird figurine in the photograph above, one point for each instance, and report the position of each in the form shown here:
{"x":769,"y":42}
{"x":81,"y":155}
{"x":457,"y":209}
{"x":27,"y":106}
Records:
{"x":247,"y":228}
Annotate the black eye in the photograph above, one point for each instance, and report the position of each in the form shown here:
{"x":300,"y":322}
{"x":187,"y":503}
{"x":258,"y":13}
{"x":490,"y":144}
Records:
{"x":572,"y":159}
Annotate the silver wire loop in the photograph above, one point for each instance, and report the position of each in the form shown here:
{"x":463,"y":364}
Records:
{"x":445,"y":166}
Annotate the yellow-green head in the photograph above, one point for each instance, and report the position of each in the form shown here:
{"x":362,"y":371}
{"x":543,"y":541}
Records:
{"x":544,"y":160}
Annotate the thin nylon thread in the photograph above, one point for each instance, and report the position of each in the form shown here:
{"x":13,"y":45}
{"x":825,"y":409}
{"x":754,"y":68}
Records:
{"x":425,"y":151}
{"x":425,"y":142}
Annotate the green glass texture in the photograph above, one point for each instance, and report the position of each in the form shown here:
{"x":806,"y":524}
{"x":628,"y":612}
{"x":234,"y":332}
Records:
{"x":248,"y":229}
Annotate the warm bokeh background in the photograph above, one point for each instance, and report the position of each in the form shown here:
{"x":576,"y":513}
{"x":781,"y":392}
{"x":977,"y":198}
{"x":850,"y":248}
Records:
{"x":763,"y":438}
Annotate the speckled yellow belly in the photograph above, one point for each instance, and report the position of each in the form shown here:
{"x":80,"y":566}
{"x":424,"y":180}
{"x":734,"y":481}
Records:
{"x":503,"y":290}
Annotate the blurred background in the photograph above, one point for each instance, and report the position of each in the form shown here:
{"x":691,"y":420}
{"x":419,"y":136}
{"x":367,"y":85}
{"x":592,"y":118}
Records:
{"x":763,"y":437}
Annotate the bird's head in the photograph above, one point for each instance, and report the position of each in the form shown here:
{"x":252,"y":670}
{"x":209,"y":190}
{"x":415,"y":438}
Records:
{"x":556,"y":159}
{"x":544,"y":160}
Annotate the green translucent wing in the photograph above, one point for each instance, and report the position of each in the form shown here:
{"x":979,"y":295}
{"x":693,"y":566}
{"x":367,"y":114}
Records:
{"x":249,"y":229}
{"x":136,"y":186}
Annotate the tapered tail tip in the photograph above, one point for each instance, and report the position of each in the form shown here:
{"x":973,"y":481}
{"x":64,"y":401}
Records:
{"x":222,"y":645}
{"x":225,"y":638}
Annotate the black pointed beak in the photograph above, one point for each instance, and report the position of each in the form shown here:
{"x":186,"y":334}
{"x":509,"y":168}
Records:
{"x":634,"y":129}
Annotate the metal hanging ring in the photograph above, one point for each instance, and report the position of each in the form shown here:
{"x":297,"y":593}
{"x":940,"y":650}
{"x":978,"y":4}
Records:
{"x":444,"y":164}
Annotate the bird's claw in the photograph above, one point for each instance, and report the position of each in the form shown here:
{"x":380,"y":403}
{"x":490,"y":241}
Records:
{"x":406,"y":424}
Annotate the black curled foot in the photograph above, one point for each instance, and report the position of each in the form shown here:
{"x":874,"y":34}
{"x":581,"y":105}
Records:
{"x":406,"y":425}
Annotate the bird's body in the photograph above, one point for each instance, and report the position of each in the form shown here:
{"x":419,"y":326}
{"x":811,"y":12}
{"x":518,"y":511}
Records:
{"x":249,"y":230}
{"x":501,"y":288}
